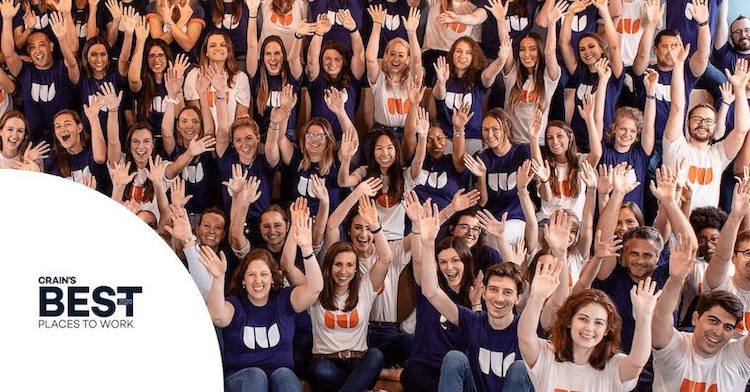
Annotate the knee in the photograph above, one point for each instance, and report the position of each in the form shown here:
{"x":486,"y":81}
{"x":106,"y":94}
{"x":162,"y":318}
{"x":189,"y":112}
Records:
{"x":453,"y":361}
{"x":516,"y":371}
{"x":374,"y":356}
{"x":247,"y":379}
{"x":283,"y":373}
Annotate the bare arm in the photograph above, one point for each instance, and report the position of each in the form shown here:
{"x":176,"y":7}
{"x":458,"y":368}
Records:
{"x":252,"y":38}
{"x":654,"y":13}
{"x":699,"y":60}
{"x":546,"y":280}
{"x":739,"y":80}
{"x":681,"y":262}
{"x":721,"y":33}
{"x":377,"y":13}
{"x":718,"y":268}
{"x":676,"y":120}
{"x":644,"y":297}
{"x":648,"y":134}
{"x":430,"y":226}
{"x":136,"y":62}
{"x":306,"y":293}
{"x":565,"y":43}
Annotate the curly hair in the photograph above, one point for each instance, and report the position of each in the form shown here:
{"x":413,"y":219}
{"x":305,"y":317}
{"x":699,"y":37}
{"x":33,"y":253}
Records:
{"x":478,"y":63}
{"x":626,"y":112}
{"x":707,"y":217}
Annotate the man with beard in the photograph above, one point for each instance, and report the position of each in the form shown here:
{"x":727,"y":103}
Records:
{"x":731,"y":43}
{"x":703,"y":162}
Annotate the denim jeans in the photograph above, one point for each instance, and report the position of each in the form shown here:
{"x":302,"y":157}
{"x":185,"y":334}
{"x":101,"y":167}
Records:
{"x":455,"y":373}
{"x":255,"y":379}
{"x":394,"y":344}
{"x":517,"y":378}
{"x":417,"y":377}
{"x":346,"y":375}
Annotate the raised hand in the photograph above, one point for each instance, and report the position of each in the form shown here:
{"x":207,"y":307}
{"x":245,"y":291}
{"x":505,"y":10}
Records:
{"x":141,"y":29}
{"x":377,"y":13}
{"x":219,"y":79}
{"x":8,"y":10}
{"x":178,"y":193}
{"x":368,"y":212}
{"x":302,"y":224}
{"x":199,"y":146}
{"x":587,"y":109}
{"x":603,"y":69}
{"x":61,"y":6}
{"x":650,"y":80}
{"x":497,"y":9}
{"x":322,"y":26}
{"x":36,"y":153}
{"x":644,"y":296}
{"x":681,"y":258}
{"x":606,"y":248}
{"x":666,"y":184}
{"x":412,"y":22}
{"x":180,"y":63}
{"x":475,"y":165}
{"x":579,"y":5}
{"x":412,"y":206}
{"x":727,"y":93}
{"x":477,"y":289}
{"x":490,"y":224}
{"x":462,"y":116}
{"x":369,"y":187}
{"x":215,"y":265}
{"x":700,"y":11}
{"x":463,"y":200}
{"x":680,"y":53}
{"x":442,"y":72}
{"x":506,"y":48}
{"x":89,"y":181}
{"x":186,"y":12}
{"x":235,"y":182}
{"x":334,"y":100}
{"x":423,"y":122}
{"x":349,"y":143}
{"x":447,"y":17}
{"x":345,"y":16}
{"x":248,"y":192}
{"x":604,"y":179}
{"x":110,"y":97}
{"x":319,"y":189}
{"x":95,"y":105}
{"x":546,"y":278}
{"x":536,"y":125}
{"x":416,"y":92}
{"x":120,"y":173}
{"x":430,"y":222}
{"x":173,"y":82}
{"x":587,"y":174}
{"x":654,"y":11}
{"x":541,"y":169}
{"x":156,"y":169}
{"x":129,"y":19}
{"x":180,"y":229}
{"x":557,"y":11}
{"x":58,"y":25}
{"x":621,"y":178}
{"x":557,"y":230}
{"x":741,"y":75}
{"x":523,"y":175}
{"x":741,"y":199}
{"x":115,"y":9}
{"x":519,"y":251}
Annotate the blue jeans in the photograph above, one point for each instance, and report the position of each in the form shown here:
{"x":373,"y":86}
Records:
{"x":255,"y":379}
{"x":346,"y":375}
{"x":394,"y":344}
{"x":455,"y":373}
{"x":711,"y":79}
{"x":517,"y":378}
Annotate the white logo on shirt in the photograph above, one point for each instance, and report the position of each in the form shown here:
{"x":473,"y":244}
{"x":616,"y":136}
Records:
{"x":274,"y":99}
{"x":304,"y":187}
{"x":227,"y":23}
{"x":433,"y":179}
{"x":91,"y":98}
{"x":579,"y":23}
{"x":689,"y":11}
{"x":193,"y":174}
{"x":81,"y":30}
{"x":663,"y":93}
{"x":501,"y":181}
{"x":517,"y":23}
{"x":583,"y":89}
{"x":332,"y":17}
{"x":495,"y":361}
{"x":457,"y":100}
{"x":159,"y":105}
{"x":42,"y":92}
{"x":80,"y":176}
{"x":41,"y":21}
{"x":261,"y":337}
{"x":392,"y":22}
{"x":344,"y":96}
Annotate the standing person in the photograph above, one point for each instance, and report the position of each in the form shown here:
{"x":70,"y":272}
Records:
{"x":46,"y":84}
{"x":258,"y":303}
{"x":582,"y":353}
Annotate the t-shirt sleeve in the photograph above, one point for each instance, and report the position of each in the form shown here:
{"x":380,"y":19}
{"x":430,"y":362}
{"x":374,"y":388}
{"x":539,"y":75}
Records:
{"x":675,"y":150}
{"x":671,"y":358}
{"x":243,"y":89}
{"x":542,"y":364}
{"x":736,"y":358}
{"x":239,"y":311}
{"x":466,"y":319}
{"x":613,"y":368}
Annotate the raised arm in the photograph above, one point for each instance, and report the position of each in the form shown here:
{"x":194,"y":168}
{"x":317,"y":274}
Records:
{"x":295,"y":52}
{"x":699,"y":60}
{"x":277,"y":144}
{"x":349,"y":146}
{"x":739,"y":80}
{"x":648,"y":133}
{"x":602,"y":249}
{"x":726,"y":100}
{"x":415,"y":52}
{"x":493,"y":69}
{"x":320,"y":192}
{"x":244,"y":192}
{"x":565,"y":41}
{"x":612,"y":37}
{"x":220,"y":310}
{"x":357,"y":63}
{"x":305,"y":294}
{"x":589,"y":113}
{"x":681,"y":263}
{"x":173,"y":83}
{"x":459,"y":119}
{"x":379,"y":270}
{"x":718,"y":268}
{"x":129,"y":21}
{"x":112,"y":101}
{"x":477,"y":167}
{"x":546,"y":280}
{"x":422,"y":127}
{"x":60,"y":28}
{"x":586,"y":233}
{"x":323,"y":26}
{"x":442,"y":73}
{"x":112,"y":29}
{"x":664,"y":190}
{"x":253,"y":52}
{"x":98,"y":144}
{"x":608,"y":218}
{"x":430,"y":226}
{"x":643,"y":297}
{"x":377,"y":13}
{"x":674,"y":128}
{"x":369,"y":188}
{"x":654,"y":12}
{"x":136,"y":62}
{"x":550,"y":45}
{"x":721,"y":33}
{"x":193,"y":26}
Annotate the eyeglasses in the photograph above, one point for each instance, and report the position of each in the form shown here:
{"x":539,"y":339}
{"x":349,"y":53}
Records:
{"x":154,"y":56}
{"x":699,"y":119}
{"x":465,"y":227}
{"x":740,"y":31}
{"x":745,"y":253}
{"x":319,"y":136}
{"x":713,"y":239}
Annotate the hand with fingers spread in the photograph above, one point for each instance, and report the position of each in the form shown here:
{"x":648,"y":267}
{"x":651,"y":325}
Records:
{"x":423,"y":122}
{"x":519,"y":251}
{"x":413,"y":209}
{"x":497,"y":9}
{"x":430,"y":222}
{"x":234,"y":184}
{"x":741,"y":74}
{"x":8,"y":10}
{"x":334,"y":100}
{"x":319,"y":189}
{"x":541,"y":170}
{"x":302,"y":224}
{"x":644,"y":296}
{"x":557,"y":231}
{"x":322,"y":26}
{"x":120,"y":174}
{"x":490,"y":224}
{"x":368,"y":212}
{"x":58,"y":25}
{"x":506,"y":48}
{"x":476,"y":290}
{"x":523,"y":175}
{"x":369,"y":187}
{"x":681,"y":258}
{"x":588,"y":174}
{"x":654,"y":11}
{"x":36,"y":153}
{"x":173,"y":82}
{"x":679,"y":53}
{"x":741,"y":199}
{"x":349,"y":143}
{"x":156,"y":169}
{"x":727,"y":93}
{"x":604,"y":179}
{"x":462,"y":116}
{"x":475,"y":165}
{"x":412,"y":22}
{"x":536,"y":125}
{"x":621,"y":179}
{"x":546,"y":278}
{"x":665,"y":187}
{"x":442,"y":71}
{"x":110,"y":97}
{"x":416,"y":92}
{"x":180,"y":63}
{"x":199,"y":146}
{"x":346,"y":19}
{"x":141,"y":29}
{"x":603,"y":69}
{"x":606,"y":248}
{"x":579,"y":6}
{"x":219,"y":79}
{"x":249,"y":191}
{"x":178,"y":192}
{"x":650,"y":80}
{"x":95,"y":105}
{"x":464,"y":200}
{"x":377,"y":13}
{"x":128,"y":20}
{"x":306,"y":29}
{"x":215,"y":265}
{"x":700,"y":11}
{"x":587,"y":109}
{"x":180,"y":229}
{"x":557,"y":11}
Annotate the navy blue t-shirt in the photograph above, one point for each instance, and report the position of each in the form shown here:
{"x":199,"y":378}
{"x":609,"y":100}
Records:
{"x":680,"y":17}
{"x":201,"y":177}
{"x":330,"y":7}
{"x":81,"y":165}
{"x":635,"y":157}
{"x":44,"y":93}
{"x":432,"y":339}
{"x":316,"y":88}
{"x":439,"y":180}
{"x":663,"y":97}
{"x":583,"y":22}
{"x":198,"y":14}
{"x":501,"y":180}
{"x":584,"y":81}
{"x":456,"y":95}
{"x":260,"y":336}
{"x":490,"y":351}
{"x":520,"y":20}
{"x":273,"y":101}
{"x":393,"y":26}
{"x":260,"y":168}
{"x":296,"y":182}
{"x":236,"y":30}
{"x":104,"y":17}
{"x":88,"y":87}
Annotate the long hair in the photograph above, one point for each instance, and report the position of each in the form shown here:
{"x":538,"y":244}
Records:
{"x":478,"y":63}
{"x":148,"y":79}
{"x":464,"y":253}
{"x":340,"y":82}
{"x":536,"y":74}
{"x":394,"y":172}
{"x":235,"y":284}
{"x":197,"y":111}
{"x":501,"y":116}
{"x":385,"y":66}
{"x":43,"y":6}
{"x":282,"y":6}
{"x":325,"y":164}
{"x":328,"y":295}
{"x":626,"y":112}
{"x":62,"y":158}
{"x":230,"y":64}
{"x":26,"y":135}
{"x":264,"y":90}
{"x":563,"y":342}
{"x":148,"y":187}
{"x":596,"y":37}
{"x":571,"y":154}
{"x":636,"y":210}
{"x":85,"y":66}
{"x":217,"y":11}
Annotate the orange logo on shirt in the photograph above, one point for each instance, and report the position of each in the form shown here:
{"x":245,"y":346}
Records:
{"x":284,"y":20}
{"x":564,"y":390}
{"x":528,"y":96}
{"x":457,"y":27}
{"x":398,"y":106}
{"x":344,"y":320}
{"x":563,"y":189}
{"x":700,"y":175}
{"x":693,"y":386}
{"x":741,"y":325}
{"x":628,"y":26}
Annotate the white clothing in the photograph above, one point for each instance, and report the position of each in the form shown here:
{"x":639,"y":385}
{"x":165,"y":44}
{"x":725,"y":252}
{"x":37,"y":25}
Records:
{"x":441,"y":37}
{"x":391,"y":214}
{"x":704,"y":169}
{"x":391,"y":103}
{"x":385,"y":307}
{"x":522,"y":113}
{"x":630,"y":26}
{"x":282,"y":25}
{"x":239,"y":93}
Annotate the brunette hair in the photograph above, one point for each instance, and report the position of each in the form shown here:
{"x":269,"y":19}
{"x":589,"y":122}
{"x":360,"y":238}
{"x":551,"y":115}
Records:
{"x":536,"y":74}
{"x":464,"y":253}
{"x":217,"y":11}
{"x":635,"y":209}
{"x":197,"y":111}
{"x":263,"y":91}
{"x":328,"y":294}
{"x":343,"y":79}
{"x":26,"y":135}
{"x":230,"y":64}
{"x":502,"y":117}
{"x":325,"y":164}
{"x":148,"y":90}
{"x":85,"y":66}
{"x":235,"y":284}
{"x":148,"y":187}
{"x":478,"y":63}
{"x":724,"y":299}
{"x":62,"y":158}
{"x":395,"y":172}
{"x":506,"y":270}
{"x":563,"y":342}
{"x":571,"y":155}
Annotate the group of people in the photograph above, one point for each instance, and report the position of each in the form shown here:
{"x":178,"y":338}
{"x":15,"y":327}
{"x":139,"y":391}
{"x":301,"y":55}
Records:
{"x":564,"y":185}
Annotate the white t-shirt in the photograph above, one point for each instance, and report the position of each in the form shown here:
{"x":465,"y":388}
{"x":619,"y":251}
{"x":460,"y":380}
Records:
{"x":5,"y":162}
{"x":391,"y":102}
{"x":522,"y":113}
{"x":704,"y":169}
{"x":576,"y":262}
{"x":548,"y":375}
{"x":565,"y":200}
{"x":335,"y":331}
{"x":678,"y":364}
{"x":441,"y":37}
{"x":239,"y":93}
{"x":385,"y":307}
{"x":630,"y":28}
{"x":282,"y":25}
{"x":392,"y":218}
{"x":744,"y":296}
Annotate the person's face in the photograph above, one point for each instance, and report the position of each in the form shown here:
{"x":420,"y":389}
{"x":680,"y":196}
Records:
{"x":245,"y":141}
{"x":589,"y":325}
{"x":708,"y":237}
{"x":528,"y":52}
{"x":639,"y":256}
{"x":626,"y":220}
{"x":148,"y":218}
{"x":493,"y":133}
{"x":702,"y":124}
{"x":740,"y":31}
{"x":436,"y":142}
{"x":468,"y":229}
{"x":273,"y":228}
{"x":210,"y":231}
{"x":68,"y":132}
{"x":713,"y":329}
{"x":558,"y":140}
{"x":216,"y":48}
{"x":344,"y":268}
{"x":13,"y":133}
{"x":98,"y":58}
{"x":315,"y":140}
{"x":157,"y":60}
{"x":333,"y":62}
{"x":452,"y":268}
{"x":397,"y":57}
{"x":462,"y":56}
{"x":589,"y":50}
{"x":360,"y":234}
{"x":258,"y":280}
{"x":741,"y":262}
{"x":500,"y":295}
{"x":189,"y":125}
{"x":40,"y":50}
{"x":273,"y":58}
{"x":626,"y":133}
{"x":141,"y":146}
{"x":385,"y":152}
{"x":664,"y":49}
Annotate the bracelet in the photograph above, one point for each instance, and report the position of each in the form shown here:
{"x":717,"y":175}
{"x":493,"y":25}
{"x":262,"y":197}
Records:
{"x":544,"y":182}
{"x":416,"y":232}
{"x":163,"y":136}
{"x":112,"y":111}
{"x":173,"y":101}
{"x":297,"y":35}
{"x":354,"y":31}
{"x":459,"y":133}
{"x":218,"y":98}
{"x":252,"y":17}
{"x":319,"y":35}
{"x":473,"y":305}
{"x":308,"y":257}
{"x":380,"y":23}
{"x":703,"y":24}
{"x":378,"y":230}
{"x":650,"y":96}
{"x":192,"y":238}
{"x":725,"y":102}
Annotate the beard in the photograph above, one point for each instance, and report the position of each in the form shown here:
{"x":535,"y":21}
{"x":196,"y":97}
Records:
{"x":700,"y":138}
{"x":742,"y":45}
